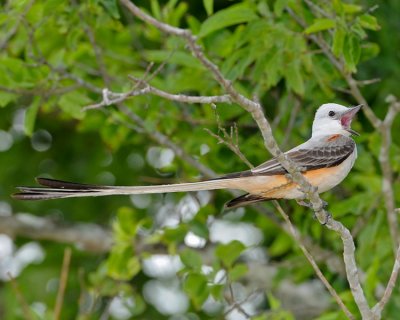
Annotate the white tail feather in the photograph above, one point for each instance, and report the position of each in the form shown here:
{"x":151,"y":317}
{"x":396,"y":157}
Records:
{"x":56,"y":189}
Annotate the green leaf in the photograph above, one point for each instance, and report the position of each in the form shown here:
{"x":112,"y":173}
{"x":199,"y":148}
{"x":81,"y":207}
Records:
{"x":176,"y":234}
{"x":351,"y":52}
{"x":216,"y":291}
{"x":209,"y":6}
{"x":337,"y":6}
{"x":279,"y":6}
{"x":229,"y":252}
{"x":30,"y":116}
{"x":236,"y":14}
{"x":178,"y":57}
{"x":274,"y":303}
{"x":369,"y":50}
{"x":294,"y":78}
{"x":112,"y":7}
{"x":191,"y":259}
{"x":125,"y":226}
{"x":121,"y":264}
{"x":320,"y":25}
{"x":281,"y":245}
{"x":351,"y":8}
{"x":371,"y":280}
{"x":338,"y":41}
{"x":199,"y":228}
{"x":274,"y":66}
{"x":73,"y":102}
{"x":155,"y":9}
{"x":238,"y":271}
{"x":369,"y":22}
{"x":195,"y":285}
{"x":6,"y":98}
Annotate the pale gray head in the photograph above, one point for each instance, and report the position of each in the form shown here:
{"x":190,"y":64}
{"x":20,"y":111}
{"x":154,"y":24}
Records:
{"x":332,"y":118}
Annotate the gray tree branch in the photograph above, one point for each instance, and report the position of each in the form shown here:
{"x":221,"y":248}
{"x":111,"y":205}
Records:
{"x":88,"y":237}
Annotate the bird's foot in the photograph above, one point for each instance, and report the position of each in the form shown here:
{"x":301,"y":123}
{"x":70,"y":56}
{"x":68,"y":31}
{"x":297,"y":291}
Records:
{"x":328,"y":216}
{"x":308,"y":204}
{"x":303,"y":203}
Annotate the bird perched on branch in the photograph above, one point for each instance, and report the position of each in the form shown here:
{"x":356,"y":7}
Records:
{"x":325,"y":160}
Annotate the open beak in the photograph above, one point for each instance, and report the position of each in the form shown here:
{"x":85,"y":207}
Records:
{"x":347,"y":117}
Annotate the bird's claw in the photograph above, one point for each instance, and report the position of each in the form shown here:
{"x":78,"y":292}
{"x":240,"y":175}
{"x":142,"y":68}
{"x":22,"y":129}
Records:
{"x":307,"y":204}
{"x":304,"y":203}
{"x":328,"y":216}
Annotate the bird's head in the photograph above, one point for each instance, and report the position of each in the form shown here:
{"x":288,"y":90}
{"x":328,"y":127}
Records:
{"x":332,"y":118}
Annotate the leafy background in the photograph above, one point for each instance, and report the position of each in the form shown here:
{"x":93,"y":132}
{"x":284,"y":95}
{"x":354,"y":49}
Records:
{"x":57,"y":56}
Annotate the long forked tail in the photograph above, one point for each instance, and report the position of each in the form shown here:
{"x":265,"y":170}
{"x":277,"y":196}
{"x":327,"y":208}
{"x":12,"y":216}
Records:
{"x":55,"y":189}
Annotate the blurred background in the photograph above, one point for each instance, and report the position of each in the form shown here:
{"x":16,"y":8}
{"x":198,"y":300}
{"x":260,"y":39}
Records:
{"x":182,"y":256}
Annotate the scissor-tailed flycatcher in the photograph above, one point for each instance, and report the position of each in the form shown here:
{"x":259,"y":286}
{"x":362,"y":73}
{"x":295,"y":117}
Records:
{"x":326,"y":159}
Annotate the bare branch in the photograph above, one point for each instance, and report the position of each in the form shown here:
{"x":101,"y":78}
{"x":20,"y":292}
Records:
{"x":21,"y":299}
{"x":228,"y":140}
{"x":230,"y":298}
{"x":89,"y":237}
{"x":62,"y":283}
{"x":363,"y":83}
{"x":390,"y":286}
{"x":110,"y":98}
{"x":183,"y":98}
{"x":13,"y":31}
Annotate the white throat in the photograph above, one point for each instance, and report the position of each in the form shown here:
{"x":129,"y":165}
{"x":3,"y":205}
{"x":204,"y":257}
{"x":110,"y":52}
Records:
{"x":329,"y":127}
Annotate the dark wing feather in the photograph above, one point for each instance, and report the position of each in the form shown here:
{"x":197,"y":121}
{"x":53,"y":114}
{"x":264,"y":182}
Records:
{"x":323,"y":155}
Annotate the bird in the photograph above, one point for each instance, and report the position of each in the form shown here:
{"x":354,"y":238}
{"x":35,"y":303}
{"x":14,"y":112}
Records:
{"x":325,"y":160}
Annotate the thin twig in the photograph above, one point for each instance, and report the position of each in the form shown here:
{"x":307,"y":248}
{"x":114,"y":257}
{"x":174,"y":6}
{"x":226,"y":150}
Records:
{"x":233,"y":303}
{"x":85,"y":236}
{"x":110,"y":98}
{"x":310,"y":258}
{"x":21,"y":299}
{"x":368,"y":82}
{"x":377,"y":309}
{"x":13,"y":31}
{"x":228,"y":141}
{"x":62,"y":283}
{"x":387,"y":171}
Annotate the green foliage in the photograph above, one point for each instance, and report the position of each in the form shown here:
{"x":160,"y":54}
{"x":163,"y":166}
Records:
{"x":191,"y":259}
{"x":228,"y":253}
{"x":195,"y":285}
{"x":320,"y":25}
{"x":233,"y":15}
{"x":57,"y":57}
{"x":209,"y":6}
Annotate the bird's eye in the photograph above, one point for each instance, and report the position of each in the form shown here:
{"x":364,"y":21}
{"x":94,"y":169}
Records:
{"x":331,"y":113}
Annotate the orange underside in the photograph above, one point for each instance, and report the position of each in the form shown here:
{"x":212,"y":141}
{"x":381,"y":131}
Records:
{"x":279,"y":186}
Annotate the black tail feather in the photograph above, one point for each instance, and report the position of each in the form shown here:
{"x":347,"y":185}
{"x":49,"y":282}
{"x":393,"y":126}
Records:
{"x":245,"y":200}
{"x":60,"y":184}
{"x":55,"y":189}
